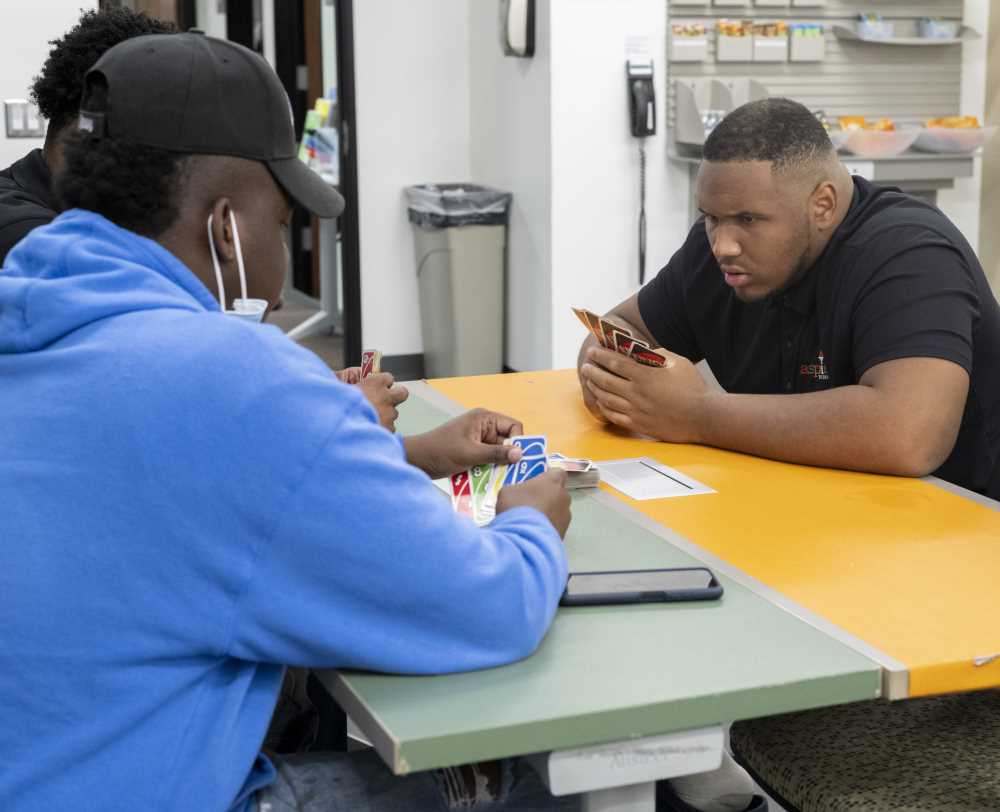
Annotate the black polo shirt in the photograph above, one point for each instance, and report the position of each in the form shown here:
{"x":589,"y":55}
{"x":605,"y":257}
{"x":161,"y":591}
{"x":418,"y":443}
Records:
{"x":26,"y":200}
{"x":897,"y":280}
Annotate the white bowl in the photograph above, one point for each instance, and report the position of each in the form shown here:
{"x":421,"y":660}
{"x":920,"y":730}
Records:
{"x":838,"y":137}
{"x":879,"y":144}
{"x":953,"y":139}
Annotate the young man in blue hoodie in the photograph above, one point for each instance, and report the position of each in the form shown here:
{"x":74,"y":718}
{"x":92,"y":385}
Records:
{"x":201,"y":502}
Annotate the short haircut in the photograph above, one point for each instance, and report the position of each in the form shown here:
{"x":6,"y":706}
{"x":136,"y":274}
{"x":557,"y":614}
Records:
{"x":56,"y":90}
{"x":777,"y":130}
{"x":134,"y":186}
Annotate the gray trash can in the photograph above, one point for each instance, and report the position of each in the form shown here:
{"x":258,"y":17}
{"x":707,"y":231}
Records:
{"x":460,"y":237}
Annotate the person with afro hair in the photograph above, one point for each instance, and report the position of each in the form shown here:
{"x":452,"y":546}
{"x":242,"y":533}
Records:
{"x":26,"y":198}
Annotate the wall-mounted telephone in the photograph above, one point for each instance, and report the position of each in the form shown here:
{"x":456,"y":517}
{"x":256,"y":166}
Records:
{"x":517,"y":27}
{"x":642,"y":121}
{"x":642,"y":99}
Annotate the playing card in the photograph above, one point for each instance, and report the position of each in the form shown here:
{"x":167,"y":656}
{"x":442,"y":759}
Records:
{"x":461,"y":493}
{"x":581,"y":315}
{"x":530,"y":445}
{"x":594,"y":323}
{"x":479,"y":479}
{"x":623,"y":342}
{"x":648,"y":357}
{"x":371,"y":362}
{"x":487,"y":511}
{"x":524,"y":469}
{"x":532,"y":463}
{"x":570,"y":464}
{"x":608,"y":330}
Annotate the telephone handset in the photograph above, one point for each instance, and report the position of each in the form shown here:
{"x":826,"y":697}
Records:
{"x":642,"y":120}
{"x":642,"y":98}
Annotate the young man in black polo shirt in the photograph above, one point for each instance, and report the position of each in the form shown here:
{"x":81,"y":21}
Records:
{"x":26,"y":199}
{"x":851,"y":326}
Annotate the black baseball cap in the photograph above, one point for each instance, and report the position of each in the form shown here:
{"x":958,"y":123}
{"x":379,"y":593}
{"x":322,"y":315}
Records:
{"x":199,"y":95}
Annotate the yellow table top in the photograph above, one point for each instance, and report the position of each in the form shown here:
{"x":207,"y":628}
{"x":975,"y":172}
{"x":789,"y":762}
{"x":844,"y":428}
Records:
{"x":902,"y":564}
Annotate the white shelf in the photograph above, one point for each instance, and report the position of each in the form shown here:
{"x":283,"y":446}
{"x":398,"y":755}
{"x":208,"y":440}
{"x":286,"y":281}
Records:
{"x":847,"y":33}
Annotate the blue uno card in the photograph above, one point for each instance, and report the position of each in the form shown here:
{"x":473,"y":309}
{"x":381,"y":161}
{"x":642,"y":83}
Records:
{"x":524,"y":469}
{"x":530,"y":445}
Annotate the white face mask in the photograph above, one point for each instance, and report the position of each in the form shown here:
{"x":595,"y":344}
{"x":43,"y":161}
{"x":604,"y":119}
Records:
{"x":243,"y":308}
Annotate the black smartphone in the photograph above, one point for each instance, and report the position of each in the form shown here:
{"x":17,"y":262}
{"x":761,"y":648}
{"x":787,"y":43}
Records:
{"x":641,"y":586}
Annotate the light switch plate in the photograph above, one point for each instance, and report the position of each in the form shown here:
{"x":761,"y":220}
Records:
{"x":23,"y":119}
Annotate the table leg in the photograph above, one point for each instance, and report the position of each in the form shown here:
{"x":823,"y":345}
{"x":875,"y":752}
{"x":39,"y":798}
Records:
{"x":634,"y":798}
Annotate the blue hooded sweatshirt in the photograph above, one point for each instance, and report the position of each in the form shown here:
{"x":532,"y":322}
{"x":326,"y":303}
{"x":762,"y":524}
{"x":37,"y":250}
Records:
{"x":188,"y":503}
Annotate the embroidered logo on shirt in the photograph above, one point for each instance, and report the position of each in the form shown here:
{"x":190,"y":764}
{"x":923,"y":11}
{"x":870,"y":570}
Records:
{"x":817,"y":371}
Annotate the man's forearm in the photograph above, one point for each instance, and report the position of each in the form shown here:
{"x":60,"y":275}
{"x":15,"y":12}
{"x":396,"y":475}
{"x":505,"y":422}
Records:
{"x":853,"y":427}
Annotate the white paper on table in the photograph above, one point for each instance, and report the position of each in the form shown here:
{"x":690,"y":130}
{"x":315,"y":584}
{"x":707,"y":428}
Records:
{"x":645,"y":478}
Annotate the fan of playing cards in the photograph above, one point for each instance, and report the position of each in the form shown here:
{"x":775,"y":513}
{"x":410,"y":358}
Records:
{"x":620,"y":339}
{"x":474,"y":492}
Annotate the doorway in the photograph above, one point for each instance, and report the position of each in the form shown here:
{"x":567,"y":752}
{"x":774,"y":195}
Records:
{"x":310,"y":44}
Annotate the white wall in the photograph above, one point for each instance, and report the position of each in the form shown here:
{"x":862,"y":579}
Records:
{"x":962,"y":203}
{"x":211,"y":17}
{"x":438,"y":101}
{"x":412,"y":74}
{"x":554,"y":131}
{"x":595,"y":163}
{"x":25,"y":31}
{"x":511,"y":148}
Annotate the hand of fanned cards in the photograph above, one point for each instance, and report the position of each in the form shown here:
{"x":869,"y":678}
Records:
{"x":474,"y":493}
{"x":620,"y":339}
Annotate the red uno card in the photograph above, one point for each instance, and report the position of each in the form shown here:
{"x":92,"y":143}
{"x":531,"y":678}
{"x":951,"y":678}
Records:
{"x":623,"y":343}
{"x":648,"y":357}
{"x":608,"y":331}
{"x":370,"y":363}
{"x":461,"y":493}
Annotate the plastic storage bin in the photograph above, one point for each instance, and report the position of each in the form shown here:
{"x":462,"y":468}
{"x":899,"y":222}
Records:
{"x":733,"y":41}
{"x":770,"y":42}
{"x":460,"y":239}
{"x":688,"y":41}
{"x":930,"y":28}
{"x":807,"y":42}
{"x":875,"y":29}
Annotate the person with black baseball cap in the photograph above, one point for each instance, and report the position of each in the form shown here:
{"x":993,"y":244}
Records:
{"x":202,"y":502}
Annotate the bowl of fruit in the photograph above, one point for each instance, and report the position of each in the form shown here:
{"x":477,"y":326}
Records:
{"x":953,"y":134}
{"x":874,"y":139}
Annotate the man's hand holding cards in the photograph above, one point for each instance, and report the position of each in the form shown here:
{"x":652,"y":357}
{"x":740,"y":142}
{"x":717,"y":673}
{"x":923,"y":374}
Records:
{"x":475,"y":492}
{"x":486,"y":490}
{"x":620,"y":339}
{"x":661,"y":395}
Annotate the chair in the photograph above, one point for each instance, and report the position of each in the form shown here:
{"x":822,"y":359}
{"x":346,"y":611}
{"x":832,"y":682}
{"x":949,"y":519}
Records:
{"x":938,"y":754}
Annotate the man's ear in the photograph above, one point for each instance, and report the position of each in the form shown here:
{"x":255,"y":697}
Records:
{"x":222,"y":231}
{"x":823,"y":205}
